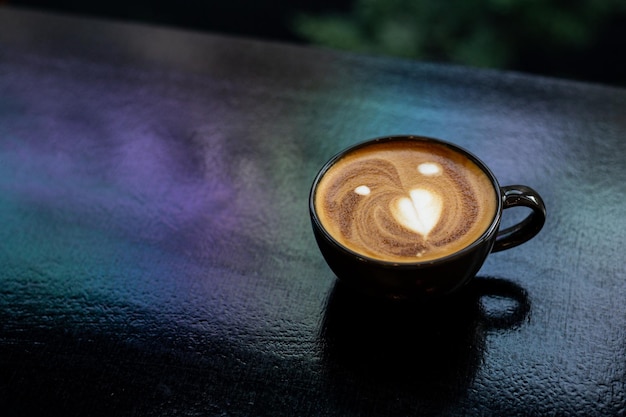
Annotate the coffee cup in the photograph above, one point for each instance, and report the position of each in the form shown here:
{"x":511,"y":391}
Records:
{"x":413,"y":216}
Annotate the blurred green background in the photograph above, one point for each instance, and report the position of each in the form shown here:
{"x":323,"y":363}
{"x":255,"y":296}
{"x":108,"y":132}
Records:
{"x":575,"y":39}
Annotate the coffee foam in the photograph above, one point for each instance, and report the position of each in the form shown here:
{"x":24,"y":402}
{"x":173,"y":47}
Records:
{"x":405,"y":201}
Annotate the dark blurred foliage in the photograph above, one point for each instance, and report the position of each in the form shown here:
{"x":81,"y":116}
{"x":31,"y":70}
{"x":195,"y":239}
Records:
{"x":581,"y":39}
{"x":577,"y":39}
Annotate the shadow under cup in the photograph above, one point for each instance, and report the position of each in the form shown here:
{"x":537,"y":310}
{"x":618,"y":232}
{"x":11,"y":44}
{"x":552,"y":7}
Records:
{"x":432,"y":277}
{"x":386,"y":349}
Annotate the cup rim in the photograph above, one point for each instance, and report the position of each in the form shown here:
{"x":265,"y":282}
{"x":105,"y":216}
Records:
{"x":486,"y":235}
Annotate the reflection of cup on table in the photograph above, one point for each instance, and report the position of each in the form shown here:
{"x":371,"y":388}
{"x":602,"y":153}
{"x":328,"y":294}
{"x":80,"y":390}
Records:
{"x":409,"y":216}
{"x":428,"y":350}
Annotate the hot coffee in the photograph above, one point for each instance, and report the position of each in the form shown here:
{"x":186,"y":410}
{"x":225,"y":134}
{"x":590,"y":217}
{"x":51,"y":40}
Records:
{"x":406,"y":200}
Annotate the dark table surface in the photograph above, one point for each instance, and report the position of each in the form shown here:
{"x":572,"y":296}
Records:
{"x":157,"y":258}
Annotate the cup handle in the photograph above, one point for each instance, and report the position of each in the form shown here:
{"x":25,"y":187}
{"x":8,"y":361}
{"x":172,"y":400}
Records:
{"x":516,"y":196}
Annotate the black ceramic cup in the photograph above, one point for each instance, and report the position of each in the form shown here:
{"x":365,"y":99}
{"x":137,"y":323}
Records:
{"x":421,"y":278}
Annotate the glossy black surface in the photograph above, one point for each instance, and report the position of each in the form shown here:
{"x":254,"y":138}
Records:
{"x":157,"y":259}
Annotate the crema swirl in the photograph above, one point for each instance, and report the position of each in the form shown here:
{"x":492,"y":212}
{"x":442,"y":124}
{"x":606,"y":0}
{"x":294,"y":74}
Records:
{"x":405,"y":201}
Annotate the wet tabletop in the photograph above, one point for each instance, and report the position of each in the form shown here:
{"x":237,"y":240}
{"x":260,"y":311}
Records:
{"x":157,"y":257}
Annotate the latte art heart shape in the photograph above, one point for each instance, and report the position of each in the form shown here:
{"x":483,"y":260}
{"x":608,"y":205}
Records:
{"x":405,"y":201}
{"x":420,"y":212}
